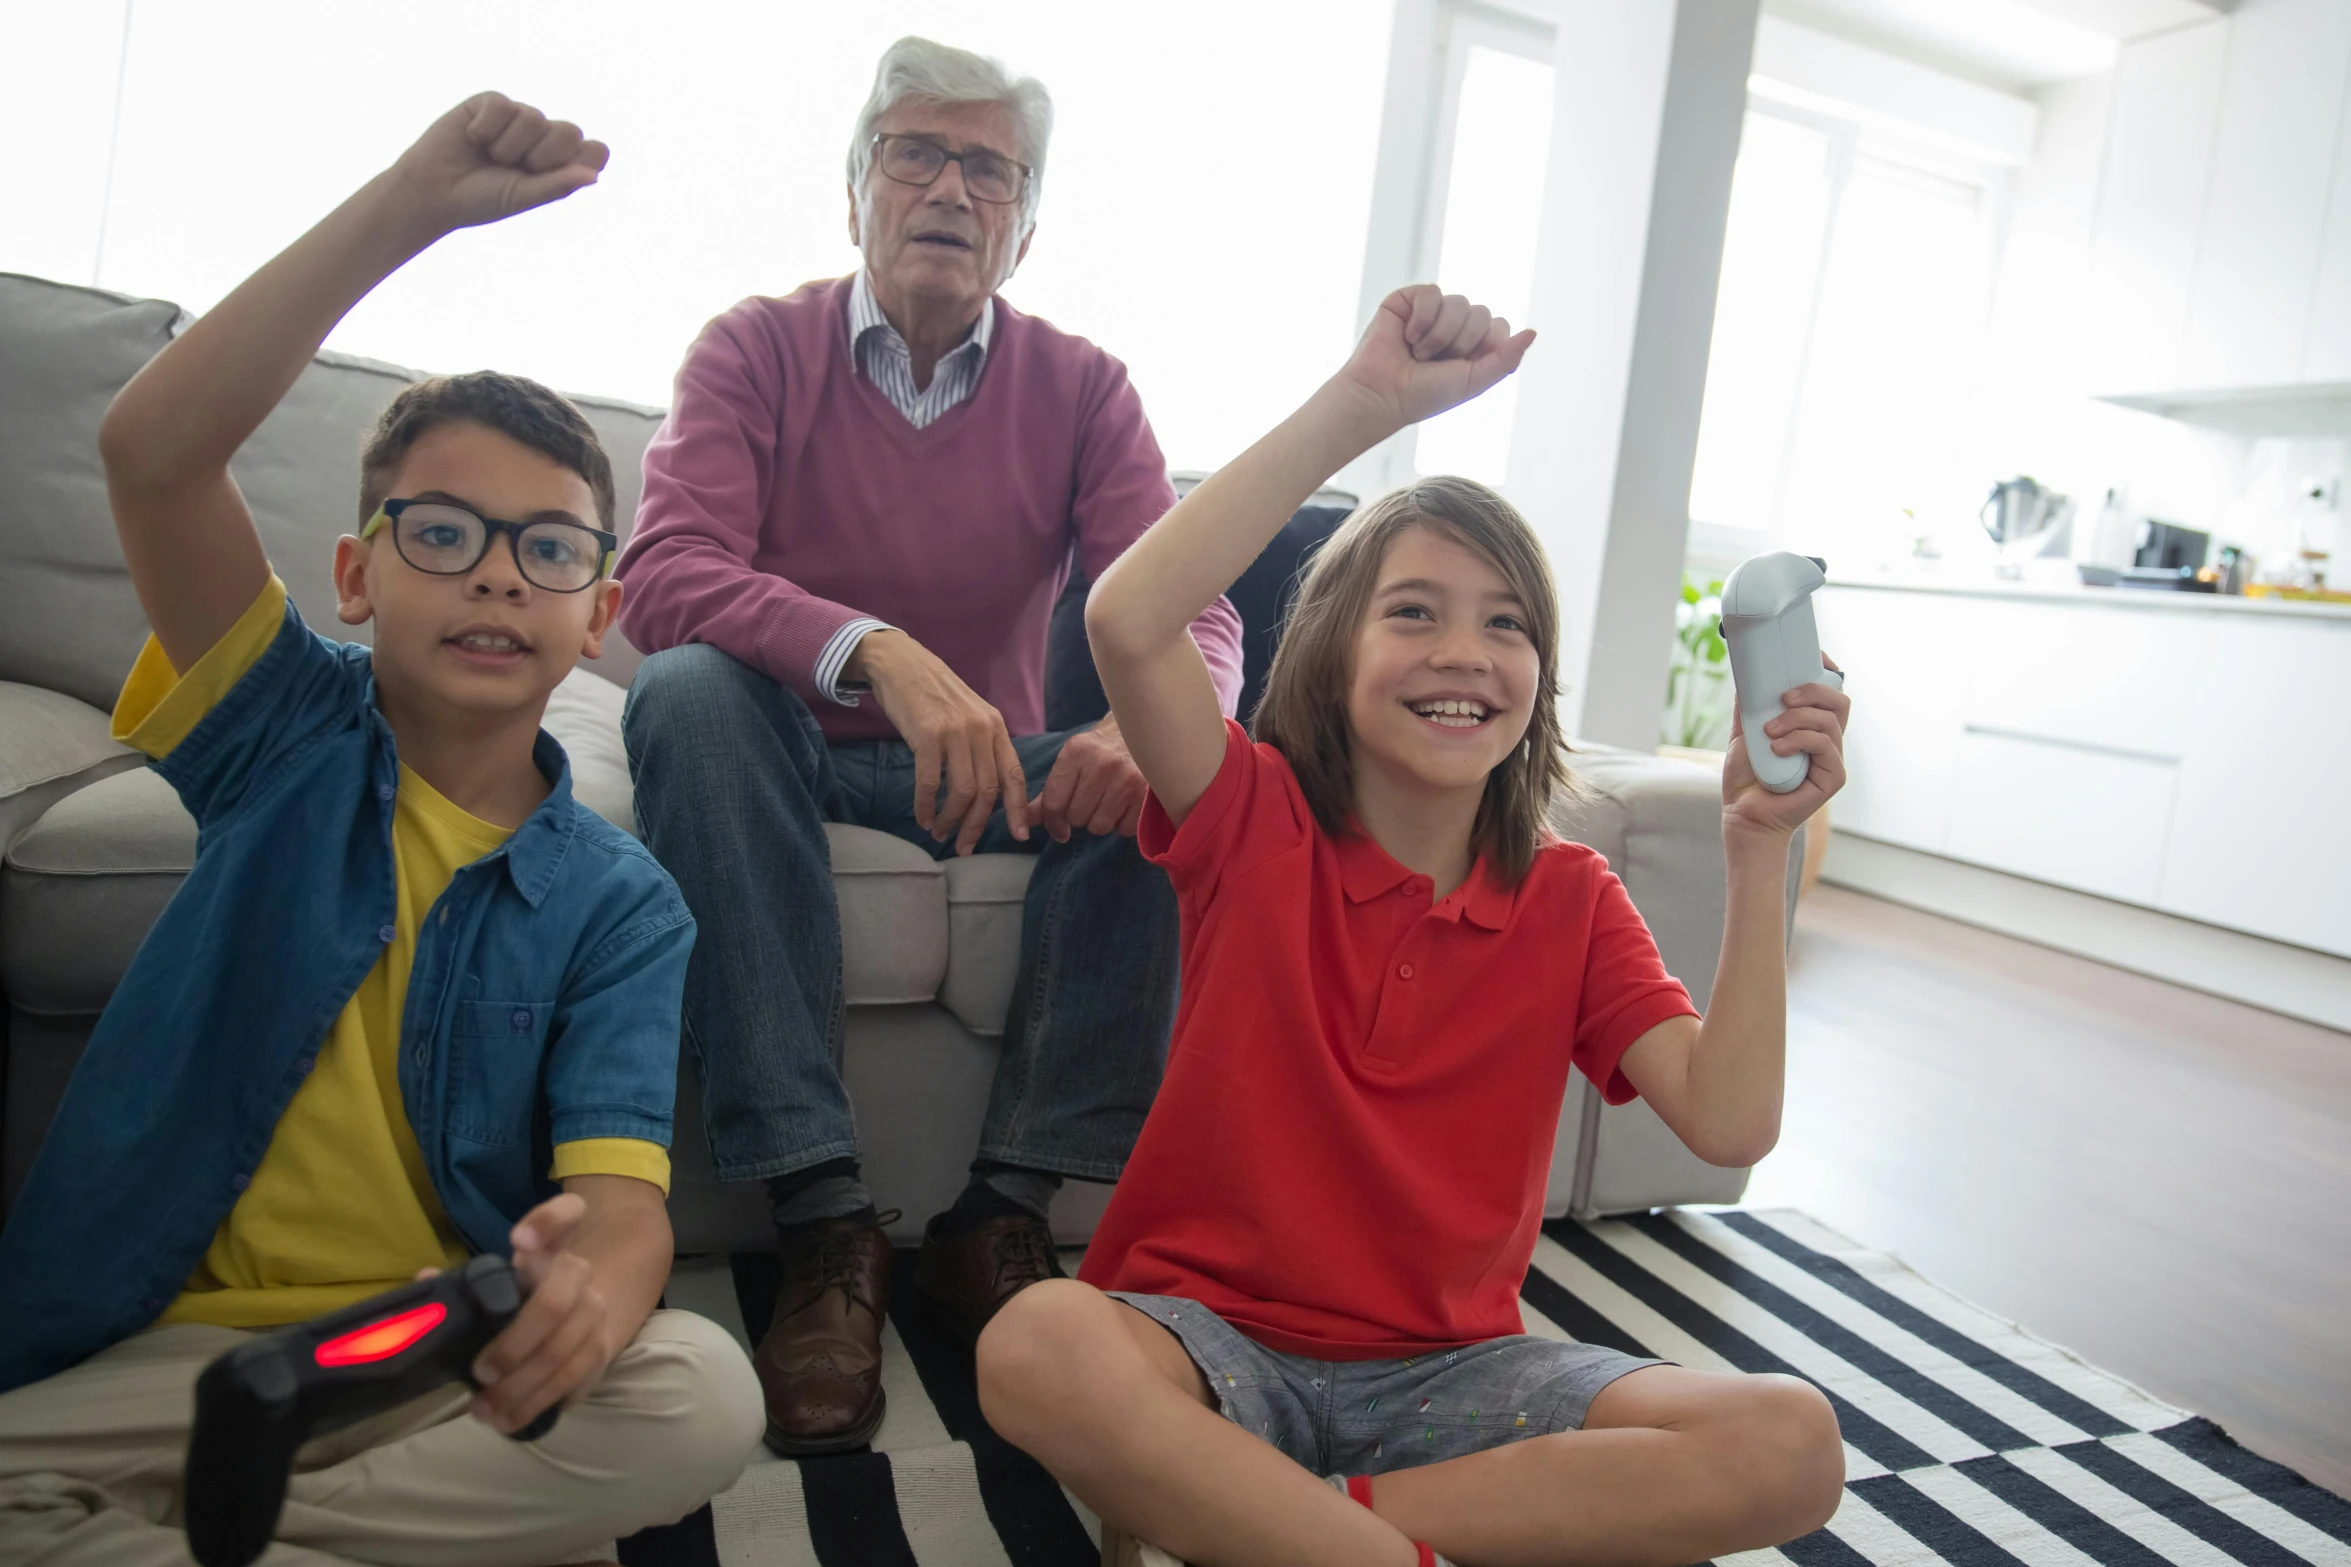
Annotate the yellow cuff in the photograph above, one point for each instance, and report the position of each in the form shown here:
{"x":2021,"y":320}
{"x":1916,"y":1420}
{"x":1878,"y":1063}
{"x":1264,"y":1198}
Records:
{"x":160,"y":707}
{"x":613,"y":1156}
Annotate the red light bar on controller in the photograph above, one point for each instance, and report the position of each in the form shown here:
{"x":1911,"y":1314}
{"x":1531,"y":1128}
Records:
{"x":383,"y":1339}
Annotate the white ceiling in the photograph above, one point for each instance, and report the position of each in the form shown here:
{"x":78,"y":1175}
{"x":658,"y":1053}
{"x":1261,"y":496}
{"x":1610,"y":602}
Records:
{"x":2015,"y":45}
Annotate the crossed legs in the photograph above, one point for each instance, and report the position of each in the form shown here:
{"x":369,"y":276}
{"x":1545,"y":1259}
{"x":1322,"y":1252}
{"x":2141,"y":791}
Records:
{"x":1671,"y":1466}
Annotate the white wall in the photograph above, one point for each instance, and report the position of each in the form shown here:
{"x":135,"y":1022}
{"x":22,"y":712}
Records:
{"x":1203,"y":217}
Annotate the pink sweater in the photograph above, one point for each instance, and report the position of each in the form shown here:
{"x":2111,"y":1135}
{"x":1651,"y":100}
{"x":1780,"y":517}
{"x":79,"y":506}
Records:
{"x":785,"y":497}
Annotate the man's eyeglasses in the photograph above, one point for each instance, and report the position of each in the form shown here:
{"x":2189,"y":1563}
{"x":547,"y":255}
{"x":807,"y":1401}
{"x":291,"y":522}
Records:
{"x":989,"y":176}
{"x":449,"y":540}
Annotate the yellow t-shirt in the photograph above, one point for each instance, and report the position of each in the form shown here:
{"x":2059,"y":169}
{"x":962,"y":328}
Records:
{"x":341,"y":1205}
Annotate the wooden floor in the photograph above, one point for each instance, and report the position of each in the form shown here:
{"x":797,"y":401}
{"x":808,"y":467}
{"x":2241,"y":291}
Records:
{"x":2155,"y":1178}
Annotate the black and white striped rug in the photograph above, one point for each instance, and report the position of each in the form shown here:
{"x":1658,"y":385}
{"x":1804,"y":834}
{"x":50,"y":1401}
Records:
{"x":1967,"y":1440}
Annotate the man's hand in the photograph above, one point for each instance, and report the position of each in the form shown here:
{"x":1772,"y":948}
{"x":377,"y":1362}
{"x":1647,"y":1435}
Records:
{"x":1426,"y":351}
{"x":558,"y":1345}
{"x":1813,"y":721}
{"x":1094,"y":787}
{"x":952,"y":731}
{"x":490,"y":158}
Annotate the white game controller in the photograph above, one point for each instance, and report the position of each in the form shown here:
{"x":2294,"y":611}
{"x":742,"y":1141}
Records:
{"x":1775,"y":647}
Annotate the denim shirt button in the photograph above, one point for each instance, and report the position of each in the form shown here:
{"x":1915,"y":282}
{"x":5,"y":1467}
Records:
{"x":151,"y":1304}
{"x":303,"y":1064}
{"x":385,"y":791}
{"x":386,"y":933}
{"x":521,"y":1019}
{"x":240,"y":1181}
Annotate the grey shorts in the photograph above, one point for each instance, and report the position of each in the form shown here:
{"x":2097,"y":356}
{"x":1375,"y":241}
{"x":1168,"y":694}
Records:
{"x":1367,"y":1416}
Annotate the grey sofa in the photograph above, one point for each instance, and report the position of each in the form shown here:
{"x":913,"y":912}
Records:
{"x":95,"y":844}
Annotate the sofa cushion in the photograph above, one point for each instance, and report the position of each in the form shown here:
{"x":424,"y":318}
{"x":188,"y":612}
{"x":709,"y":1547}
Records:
{"x":50,"y":745}
{"x":985,"y":903}
{"x":893,"y":902}
{"x":81,"y":886}
{"x":583,"y":714}
{"x":69,"y":620}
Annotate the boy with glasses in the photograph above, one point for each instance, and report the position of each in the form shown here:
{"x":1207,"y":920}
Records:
{"x":412,"y":1003}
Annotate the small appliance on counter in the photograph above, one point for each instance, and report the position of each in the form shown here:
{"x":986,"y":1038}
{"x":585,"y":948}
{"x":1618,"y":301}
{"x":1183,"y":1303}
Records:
{"x":2170,"y":579}
{"x":2026,"y":519}
{"x":2169,"y":547}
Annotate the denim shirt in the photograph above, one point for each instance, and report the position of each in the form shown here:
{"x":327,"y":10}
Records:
{"x":543,"y":1006}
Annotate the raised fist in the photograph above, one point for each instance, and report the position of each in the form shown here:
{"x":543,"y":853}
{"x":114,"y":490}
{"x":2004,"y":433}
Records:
{"x":490,"y":158}
{"x":1426,"y":351}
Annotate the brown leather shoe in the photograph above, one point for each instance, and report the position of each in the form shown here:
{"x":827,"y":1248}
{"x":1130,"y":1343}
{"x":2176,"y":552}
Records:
{"x":968,"y":1279}
{"x":820,"y":1363}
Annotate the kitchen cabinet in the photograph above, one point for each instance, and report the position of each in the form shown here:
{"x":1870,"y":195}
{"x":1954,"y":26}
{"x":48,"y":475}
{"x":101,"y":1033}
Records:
{"x":2080,"y":816}
{"x":2265,"y":200}
{"x":2329,"y":355}
{"x":2257,"y":839}
{"x":2151,"y":204}
{"x":2176,"y":751}
{"x":1898,"y":654}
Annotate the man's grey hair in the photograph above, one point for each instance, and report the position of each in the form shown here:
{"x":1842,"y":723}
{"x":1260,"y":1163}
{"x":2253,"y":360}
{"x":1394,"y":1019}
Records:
{"x":918,"y":68}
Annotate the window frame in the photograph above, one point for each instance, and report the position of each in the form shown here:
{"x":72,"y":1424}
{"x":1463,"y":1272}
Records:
{"x":1850,"y":140}
{"x":1460,"y":25}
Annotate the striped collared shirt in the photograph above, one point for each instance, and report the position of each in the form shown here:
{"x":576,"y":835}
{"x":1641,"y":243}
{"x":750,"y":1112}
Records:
{"x":884,"y":359}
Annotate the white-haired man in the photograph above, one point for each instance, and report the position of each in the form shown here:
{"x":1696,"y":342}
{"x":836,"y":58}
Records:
{"x":856,"y":520}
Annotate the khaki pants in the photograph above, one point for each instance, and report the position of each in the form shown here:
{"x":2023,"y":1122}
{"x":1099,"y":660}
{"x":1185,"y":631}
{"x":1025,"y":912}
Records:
{"x":90,"y":1461}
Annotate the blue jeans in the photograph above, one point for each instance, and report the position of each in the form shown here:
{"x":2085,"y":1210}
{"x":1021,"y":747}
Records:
{"x":734,"y":783}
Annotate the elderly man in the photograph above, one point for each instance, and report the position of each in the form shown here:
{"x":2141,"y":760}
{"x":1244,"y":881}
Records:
{"x":856,"y":520}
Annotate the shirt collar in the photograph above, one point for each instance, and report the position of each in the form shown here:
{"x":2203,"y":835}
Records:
{"x":533,"y":852}
{"x":1367,"y":871}
{"x":865,"y":315}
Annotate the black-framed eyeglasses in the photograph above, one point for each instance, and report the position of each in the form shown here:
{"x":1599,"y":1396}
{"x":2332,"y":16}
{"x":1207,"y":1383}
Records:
{"x":989,"y":176}
{"x":449,"y":540}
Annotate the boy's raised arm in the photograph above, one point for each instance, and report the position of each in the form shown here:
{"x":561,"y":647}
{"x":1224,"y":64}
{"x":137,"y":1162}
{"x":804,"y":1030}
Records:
{"x":1424,"y":352}
{"x":167,"y":441}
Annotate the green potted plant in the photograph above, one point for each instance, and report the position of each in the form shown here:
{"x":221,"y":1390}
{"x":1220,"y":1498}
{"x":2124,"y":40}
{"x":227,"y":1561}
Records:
{"x":1698,"y":685}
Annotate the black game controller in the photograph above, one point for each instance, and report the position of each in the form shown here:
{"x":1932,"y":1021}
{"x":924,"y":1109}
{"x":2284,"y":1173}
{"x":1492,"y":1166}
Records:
{"x":262,"y":1400}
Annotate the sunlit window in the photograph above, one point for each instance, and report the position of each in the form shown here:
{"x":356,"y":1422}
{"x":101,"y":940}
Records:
{"x":1779,"y":218}
{"x":1846,"y":363}
{"x":1493,"y":206}
{"x":1203,"y":214}
{"x":1893,"y":385}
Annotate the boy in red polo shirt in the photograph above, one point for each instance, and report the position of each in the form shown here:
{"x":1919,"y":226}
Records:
{"x":1308,"y":1276}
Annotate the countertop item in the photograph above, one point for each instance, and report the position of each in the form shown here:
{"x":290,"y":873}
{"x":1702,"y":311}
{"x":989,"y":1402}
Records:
{"x":2157,"y":603}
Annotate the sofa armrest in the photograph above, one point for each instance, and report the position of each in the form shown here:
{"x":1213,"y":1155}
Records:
{"x":1658,"y":821}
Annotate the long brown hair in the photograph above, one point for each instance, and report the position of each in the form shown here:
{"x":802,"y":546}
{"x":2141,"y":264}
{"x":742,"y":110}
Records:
{"x":1304,"y":712}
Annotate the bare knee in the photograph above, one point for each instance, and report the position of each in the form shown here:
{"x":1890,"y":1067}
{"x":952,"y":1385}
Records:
{"x":1791,"y":1449}
{"x":1049,"y":1352}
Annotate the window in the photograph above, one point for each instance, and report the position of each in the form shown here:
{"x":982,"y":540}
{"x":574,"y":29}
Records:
{"x":1492,"y":195}
{"x":1846,"y":368}
{"x":1779,"y":218}
{"x":1203,"y":218}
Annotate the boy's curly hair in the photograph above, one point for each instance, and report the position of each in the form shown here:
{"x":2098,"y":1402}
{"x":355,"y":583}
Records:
{"x":1304,"y":711}
{"x":514,"y":406}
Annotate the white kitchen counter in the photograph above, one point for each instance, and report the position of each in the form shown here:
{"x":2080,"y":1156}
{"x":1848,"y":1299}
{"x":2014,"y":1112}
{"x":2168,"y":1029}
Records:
{"x":2181,"y":751}
{"x":1976,"y":585}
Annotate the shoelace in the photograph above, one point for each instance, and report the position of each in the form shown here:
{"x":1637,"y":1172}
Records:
{"x":837,"y":1261}
{"x":1023,"y":1255}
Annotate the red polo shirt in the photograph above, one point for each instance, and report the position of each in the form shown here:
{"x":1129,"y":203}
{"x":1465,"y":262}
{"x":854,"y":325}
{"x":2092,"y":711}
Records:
{"x":1348,"y":1156}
